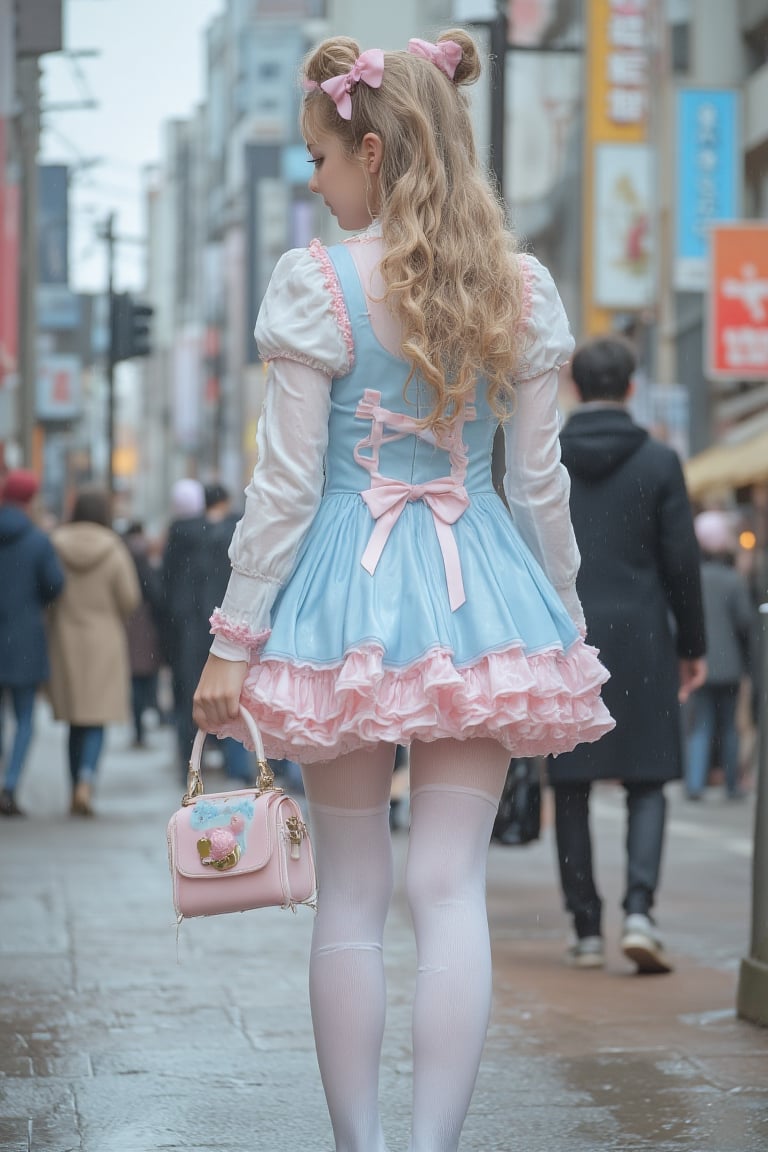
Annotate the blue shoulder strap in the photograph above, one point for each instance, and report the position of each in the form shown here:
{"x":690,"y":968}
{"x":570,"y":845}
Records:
{"x":349,"y":280}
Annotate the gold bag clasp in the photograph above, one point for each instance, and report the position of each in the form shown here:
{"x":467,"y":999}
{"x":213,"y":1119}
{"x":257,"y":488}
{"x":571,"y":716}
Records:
{"x":223,"y":863}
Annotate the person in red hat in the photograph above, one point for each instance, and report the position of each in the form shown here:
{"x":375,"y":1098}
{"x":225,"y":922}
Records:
{"x":32,"y":579}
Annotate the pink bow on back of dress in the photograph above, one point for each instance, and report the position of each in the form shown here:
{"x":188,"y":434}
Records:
{"x":368,"y":69}
{"x":446,"y":55}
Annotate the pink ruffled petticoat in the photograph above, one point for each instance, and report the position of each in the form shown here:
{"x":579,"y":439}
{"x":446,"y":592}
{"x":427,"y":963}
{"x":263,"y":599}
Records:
{"x":541,"y":704}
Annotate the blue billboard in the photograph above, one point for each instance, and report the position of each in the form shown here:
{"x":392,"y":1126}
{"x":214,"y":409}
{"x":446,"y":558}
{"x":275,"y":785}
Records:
{"x":52,"y":224}
{"x":708,"y":177}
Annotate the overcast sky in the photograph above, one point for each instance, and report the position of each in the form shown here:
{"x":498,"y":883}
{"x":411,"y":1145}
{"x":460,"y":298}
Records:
{"x":149,"y":68}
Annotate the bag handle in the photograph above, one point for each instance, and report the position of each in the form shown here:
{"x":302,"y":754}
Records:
{"x":265,"y":782}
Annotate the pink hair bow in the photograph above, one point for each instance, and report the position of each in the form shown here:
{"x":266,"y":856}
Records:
{"x":446,"y":55}
{"x":368,"y":68}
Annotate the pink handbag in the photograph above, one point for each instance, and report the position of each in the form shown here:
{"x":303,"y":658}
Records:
{"x":233,"y":851}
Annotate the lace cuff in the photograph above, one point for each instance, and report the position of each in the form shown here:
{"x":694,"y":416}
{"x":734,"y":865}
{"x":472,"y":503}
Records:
{"x":239,"y":637}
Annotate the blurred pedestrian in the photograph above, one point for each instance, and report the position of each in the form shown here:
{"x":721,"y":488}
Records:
{"x":730,"y":620}
{"x":381,"y":592}
{"x":144,"y":651}
{"x":31,"y":577}
{"x":181,"y":582}
{"x":90,"y":672}
{"x":640,"y":586}
{"x":219,"y":526}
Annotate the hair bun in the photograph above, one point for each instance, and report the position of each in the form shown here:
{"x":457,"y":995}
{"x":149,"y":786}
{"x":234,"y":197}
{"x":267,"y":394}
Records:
{"x":333,"y":57}
{"x":468,"y":69}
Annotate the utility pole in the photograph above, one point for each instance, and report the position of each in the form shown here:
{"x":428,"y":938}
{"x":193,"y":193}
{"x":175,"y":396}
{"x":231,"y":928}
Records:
{"x":498,"y":33}
{"x":109,"y":237}
{"x":129,"y":336}
{"x":499,"y":42}
{"x":28,"y":74}
{"x":752,"y":993}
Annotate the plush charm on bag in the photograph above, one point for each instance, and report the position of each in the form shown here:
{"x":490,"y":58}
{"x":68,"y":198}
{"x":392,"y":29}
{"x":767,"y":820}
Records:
{"x":233,"y":851}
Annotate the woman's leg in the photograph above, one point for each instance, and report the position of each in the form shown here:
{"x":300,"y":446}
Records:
{"x":90,"y":753}
{"x":455,"y":791}
{"x":85,"y":745}
{"x":74,"y":748}
{"x":349,"y":817}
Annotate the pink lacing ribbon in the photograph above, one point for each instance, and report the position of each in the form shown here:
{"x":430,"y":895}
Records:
{"x":446,"y":497}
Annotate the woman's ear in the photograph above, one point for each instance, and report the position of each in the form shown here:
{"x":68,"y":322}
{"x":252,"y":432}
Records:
{"x":371,"y":151}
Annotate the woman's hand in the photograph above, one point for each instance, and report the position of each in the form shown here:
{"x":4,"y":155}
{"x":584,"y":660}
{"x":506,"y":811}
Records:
{"x":217,"y":696}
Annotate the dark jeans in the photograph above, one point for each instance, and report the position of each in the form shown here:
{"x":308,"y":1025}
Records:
{"x":646,"y":809}
{"x":85,"y":744}
{"x":143,"y":697}
{"x":713,"y":709}
{"x":238,"y":761}
{"x":23,"y":697}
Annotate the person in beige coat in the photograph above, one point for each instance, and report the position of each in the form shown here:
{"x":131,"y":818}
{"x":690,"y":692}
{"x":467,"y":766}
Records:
{"x":90,"y":673}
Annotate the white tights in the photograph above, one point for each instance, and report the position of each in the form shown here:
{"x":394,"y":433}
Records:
{"x":455,"y":789}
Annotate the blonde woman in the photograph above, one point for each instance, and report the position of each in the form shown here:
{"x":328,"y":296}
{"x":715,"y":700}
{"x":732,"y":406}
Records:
{"x":382,"y":593}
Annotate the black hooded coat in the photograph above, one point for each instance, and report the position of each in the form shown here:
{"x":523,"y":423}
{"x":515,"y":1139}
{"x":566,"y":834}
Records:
{"x":639,"y":583}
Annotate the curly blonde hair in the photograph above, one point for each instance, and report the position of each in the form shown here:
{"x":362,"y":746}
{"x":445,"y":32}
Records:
{"x":449,"y":268}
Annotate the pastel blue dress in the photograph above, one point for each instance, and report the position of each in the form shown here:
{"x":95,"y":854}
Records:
{"x":413,"y":608}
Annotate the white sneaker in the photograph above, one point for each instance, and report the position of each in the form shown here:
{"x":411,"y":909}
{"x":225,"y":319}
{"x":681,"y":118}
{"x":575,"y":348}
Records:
{"x":587,"y":952}
{"x":640,"y":942}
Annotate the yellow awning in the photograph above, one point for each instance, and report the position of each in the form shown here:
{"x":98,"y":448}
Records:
{"x":728,"y":466}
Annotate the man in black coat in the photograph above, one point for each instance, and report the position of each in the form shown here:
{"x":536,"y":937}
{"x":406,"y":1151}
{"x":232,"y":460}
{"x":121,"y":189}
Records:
{"x":219,"y":526}
{"x":640,"y":587}
{"x":184,"y":643}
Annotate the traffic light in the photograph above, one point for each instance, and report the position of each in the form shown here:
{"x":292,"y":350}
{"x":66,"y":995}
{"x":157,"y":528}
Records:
{"x":141,"y":329}
{"x":131,"y":327}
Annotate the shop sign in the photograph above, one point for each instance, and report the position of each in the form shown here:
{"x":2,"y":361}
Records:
{"x":708,"y":182}
{"x":737,"y":329}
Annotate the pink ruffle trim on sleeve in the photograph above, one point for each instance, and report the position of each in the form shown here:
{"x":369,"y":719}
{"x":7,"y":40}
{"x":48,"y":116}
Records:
{"x":317,"y":250}
{"x":534,"y":705}
{"x":238,"y":633}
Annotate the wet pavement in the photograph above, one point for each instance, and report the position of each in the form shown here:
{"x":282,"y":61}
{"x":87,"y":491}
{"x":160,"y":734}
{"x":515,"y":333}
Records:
{"x":117,"y":1037}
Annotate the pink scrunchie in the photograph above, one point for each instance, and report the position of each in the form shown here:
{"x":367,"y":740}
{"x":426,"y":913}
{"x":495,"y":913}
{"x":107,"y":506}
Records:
{"x":446,"y":55}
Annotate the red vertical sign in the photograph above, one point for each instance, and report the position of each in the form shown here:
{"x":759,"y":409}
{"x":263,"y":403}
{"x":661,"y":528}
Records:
{"x":737,"y":337}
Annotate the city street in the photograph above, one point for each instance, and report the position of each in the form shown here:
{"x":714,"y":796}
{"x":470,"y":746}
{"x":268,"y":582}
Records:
{"x":119,"y":1035}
